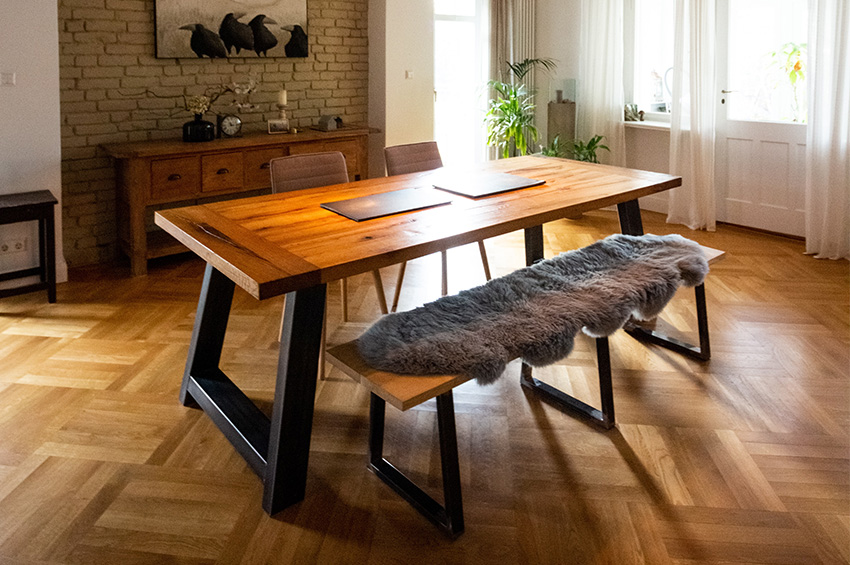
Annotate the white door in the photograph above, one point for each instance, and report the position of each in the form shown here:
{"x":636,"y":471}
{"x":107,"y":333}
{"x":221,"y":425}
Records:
{"x":761,"y":133}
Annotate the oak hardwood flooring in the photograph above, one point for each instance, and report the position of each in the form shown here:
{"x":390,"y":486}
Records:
{"x":743,"y":459}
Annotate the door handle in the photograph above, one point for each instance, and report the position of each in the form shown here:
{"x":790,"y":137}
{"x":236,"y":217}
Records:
{"x":222,"y":172}
{"x":723,"y":100}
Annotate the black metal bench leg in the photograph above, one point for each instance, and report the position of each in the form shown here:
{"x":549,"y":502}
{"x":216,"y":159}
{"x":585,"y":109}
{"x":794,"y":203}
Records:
{"x":631,"y":224}
{"x":701,"y":351}
{"x":571,"y":404}
{"x":449,"y":518}
{"x":451,"y":468}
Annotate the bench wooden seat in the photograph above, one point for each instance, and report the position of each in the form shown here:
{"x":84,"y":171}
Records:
{"x":401,"y":391}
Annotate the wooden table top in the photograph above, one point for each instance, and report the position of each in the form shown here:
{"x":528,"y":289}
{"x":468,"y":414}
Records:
{"x":273,"y":244}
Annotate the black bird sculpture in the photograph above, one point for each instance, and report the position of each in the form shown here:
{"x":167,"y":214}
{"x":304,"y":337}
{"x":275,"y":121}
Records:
{"x":263,"y":38}
{"x":236,"y":34}
{"x":297,"y":44}
{"x":205,"y":42}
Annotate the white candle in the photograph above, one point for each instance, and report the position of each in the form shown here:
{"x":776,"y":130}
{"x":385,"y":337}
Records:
{"x":281,"y":98}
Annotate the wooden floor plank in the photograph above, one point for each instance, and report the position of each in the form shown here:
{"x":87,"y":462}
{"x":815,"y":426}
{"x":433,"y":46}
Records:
{"x":742,"y":459}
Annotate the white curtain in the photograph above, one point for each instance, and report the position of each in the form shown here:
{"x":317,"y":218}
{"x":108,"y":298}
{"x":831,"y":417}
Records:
{"x":600,"y":96}
{"x":693,"y":116}
{"x":828,"y":133}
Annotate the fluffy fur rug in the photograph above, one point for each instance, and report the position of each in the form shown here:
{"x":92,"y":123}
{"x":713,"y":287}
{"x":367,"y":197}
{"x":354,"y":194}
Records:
{"x":535,"y":313}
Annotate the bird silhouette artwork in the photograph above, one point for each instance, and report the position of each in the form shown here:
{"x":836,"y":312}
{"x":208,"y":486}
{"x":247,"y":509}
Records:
{"x":205,"y":42}
{"x":297,"y":44}
{"x":236,"y":34}
{"x":264,"y":39}
{"x":221,"y":29}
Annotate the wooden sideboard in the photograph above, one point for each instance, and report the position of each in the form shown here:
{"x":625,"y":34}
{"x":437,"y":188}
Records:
{"x":153,"y":174}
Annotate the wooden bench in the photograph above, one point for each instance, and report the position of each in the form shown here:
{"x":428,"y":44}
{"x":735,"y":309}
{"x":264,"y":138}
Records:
{"x":407,"y":391}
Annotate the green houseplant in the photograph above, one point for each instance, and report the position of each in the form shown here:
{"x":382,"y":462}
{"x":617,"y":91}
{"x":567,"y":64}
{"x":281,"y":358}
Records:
{"x":510,"y":114}
{"x":576,"y":149}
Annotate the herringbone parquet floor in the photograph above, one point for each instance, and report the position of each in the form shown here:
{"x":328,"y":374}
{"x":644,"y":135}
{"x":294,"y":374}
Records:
{"x":743,"y":459}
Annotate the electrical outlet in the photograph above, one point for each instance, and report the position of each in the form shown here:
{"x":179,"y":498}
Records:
{"x":14,"y":246}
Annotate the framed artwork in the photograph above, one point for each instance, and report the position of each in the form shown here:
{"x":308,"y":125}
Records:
{"x":231,"y":28}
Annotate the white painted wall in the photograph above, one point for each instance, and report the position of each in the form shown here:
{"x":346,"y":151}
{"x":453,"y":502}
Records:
{"x":30,"y":150}
{"x":377,"y":86}
{"x":409,"y":49}
{"x":557,"y":36}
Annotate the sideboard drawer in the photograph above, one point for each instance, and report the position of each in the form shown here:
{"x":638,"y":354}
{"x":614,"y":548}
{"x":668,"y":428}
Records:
{"x":257,"y":173}
{"x":173,"y":179}
{"x":221,"y":172}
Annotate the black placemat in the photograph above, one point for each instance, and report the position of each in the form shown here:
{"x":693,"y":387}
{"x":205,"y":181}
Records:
{"x":478,"y":184}
{"x":387,"y":203}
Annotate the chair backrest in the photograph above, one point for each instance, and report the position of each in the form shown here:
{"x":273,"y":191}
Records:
{"x":297,"y":172}
{"x":412,"y":158}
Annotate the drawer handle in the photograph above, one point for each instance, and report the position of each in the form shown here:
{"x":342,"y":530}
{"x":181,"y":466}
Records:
{"x":265,"y":166}
{"x":174,"y":176}
{"x":222,"y":172}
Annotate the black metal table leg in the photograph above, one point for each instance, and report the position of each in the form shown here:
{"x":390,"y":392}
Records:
{"x":210,"y":327}
{"x":277,"y":449}
{"x":533,"y":245}
{"x":285,"y":478}
{"x":630,"y":221}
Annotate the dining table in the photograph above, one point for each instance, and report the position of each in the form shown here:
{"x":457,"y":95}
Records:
{"x":290,"y":244}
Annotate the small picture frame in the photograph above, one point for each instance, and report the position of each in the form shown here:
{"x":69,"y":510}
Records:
{"x":279,"y":125}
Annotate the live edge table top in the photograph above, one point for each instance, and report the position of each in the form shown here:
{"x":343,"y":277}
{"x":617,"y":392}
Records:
{"x":274,"y":244}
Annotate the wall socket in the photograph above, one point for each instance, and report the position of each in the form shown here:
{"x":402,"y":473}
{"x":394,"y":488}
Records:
{"x":19,"y":245}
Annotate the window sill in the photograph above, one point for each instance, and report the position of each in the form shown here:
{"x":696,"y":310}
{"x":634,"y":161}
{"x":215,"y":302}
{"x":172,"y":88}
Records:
{"x":648,"y":125}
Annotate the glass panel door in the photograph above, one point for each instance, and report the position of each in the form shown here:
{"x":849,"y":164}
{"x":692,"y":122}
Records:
{"x":761,"y":112}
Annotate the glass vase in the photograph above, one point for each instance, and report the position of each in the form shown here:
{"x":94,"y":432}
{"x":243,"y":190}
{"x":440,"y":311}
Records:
{"x":198,"y":130}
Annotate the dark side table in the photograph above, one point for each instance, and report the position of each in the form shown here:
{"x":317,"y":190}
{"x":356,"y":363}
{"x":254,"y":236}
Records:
{"x":25,"y":207}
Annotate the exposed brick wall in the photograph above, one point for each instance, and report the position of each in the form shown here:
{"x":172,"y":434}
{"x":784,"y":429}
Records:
{"x":107,"y":63}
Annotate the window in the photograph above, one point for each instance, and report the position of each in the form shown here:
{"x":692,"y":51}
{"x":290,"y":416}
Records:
{"x":766,"y":58}
{"x":649,"y":74}
{"x":767,"y":62}
{"x":460,"y":63}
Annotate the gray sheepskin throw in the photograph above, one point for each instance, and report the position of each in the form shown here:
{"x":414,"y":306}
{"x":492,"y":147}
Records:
{"x":535,"y":313}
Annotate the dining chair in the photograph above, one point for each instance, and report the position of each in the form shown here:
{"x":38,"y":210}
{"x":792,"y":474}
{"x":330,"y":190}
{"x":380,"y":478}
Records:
{"x":415,"y":158}
{"x":311,"y":170}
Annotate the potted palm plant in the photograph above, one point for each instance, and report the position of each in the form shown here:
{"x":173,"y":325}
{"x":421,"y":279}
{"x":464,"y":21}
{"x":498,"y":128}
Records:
{"x":510,"y":114}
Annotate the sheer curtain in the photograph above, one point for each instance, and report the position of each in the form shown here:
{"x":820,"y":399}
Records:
{"x":828,"y":134}
{"x":693,"y":116}
{"x":599,"y":108}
